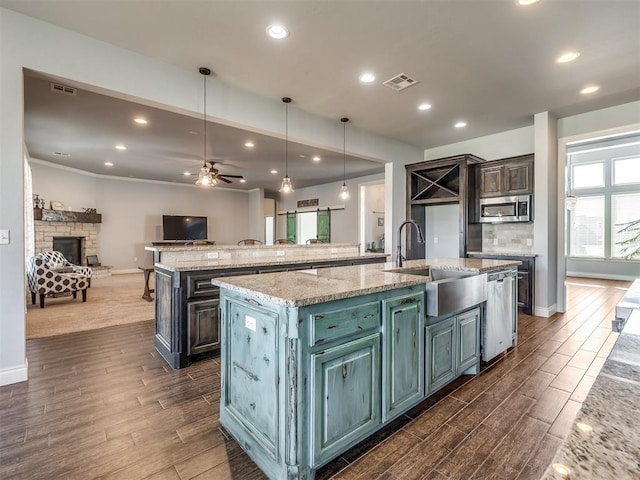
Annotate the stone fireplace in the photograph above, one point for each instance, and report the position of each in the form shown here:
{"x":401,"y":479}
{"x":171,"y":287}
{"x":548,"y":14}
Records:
{"x":85,"y":234}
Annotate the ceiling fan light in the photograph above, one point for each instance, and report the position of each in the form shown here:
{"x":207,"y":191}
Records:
{"x":344,"y":192}
{"x":286,"y":186}
{"x":204,"y":178}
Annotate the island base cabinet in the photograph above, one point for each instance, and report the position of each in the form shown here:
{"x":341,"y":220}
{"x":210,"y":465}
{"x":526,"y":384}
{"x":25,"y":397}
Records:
{"x":203,"y":326}
{"x":403,"y":353}
{"x":441,"y":354}
{"x":346,"y":395}
{"x":468,"y":337}
{"x":251,"y":370}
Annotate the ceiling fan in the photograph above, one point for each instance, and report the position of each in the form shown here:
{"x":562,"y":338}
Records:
{"x":215,"y":174}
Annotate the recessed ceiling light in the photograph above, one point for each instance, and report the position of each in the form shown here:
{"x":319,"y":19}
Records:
{"x":524,"y":3}
{"x":108,"y":164}
{"x":187,"y":174}
{"x":567,"y":57}
{"x":140,"y":120}
{"x":274,"y":171}
{"x":367,"y":77}
{"x":302,"y":156}
{"x":249,"y":144}
{"x":589,"y":89}
{"x":277,"y":31}
{"x":120,"y":147}
{"x":193,"y":132}
{"x":460,"y":124}
{"x":316,"y":158}
{"x":61,"y":154}
{"x":424,"y":106}
{"x":242,"y":180}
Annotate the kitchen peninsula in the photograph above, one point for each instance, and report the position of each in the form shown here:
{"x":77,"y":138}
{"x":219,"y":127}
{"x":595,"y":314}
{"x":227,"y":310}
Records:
{"x":314,"y":361}
{"x":186,"y":303}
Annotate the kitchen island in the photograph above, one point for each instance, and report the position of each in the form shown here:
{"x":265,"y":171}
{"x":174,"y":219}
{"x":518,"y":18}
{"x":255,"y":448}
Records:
{"x":314,"y":361}
{"x":186,"y":303}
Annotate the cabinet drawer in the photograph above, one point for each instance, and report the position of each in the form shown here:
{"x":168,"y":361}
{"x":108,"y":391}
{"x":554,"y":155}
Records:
{"x":200,"y":286}
{"x":342,"y":323}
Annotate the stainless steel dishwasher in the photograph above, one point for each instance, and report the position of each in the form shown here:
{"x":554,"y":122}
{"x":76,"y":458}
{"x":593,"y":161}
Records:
{"x":499,"y":319}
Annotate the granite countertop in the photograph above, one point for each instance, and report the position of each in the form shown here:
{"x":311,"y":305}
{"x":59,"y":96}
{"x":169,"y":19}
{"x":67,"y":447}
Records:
{"x":224,"y":263}
{"x":605,"y":440}
{"x":308,"y":287}
{"x":213,"y":247}
{"x":504,"y":254}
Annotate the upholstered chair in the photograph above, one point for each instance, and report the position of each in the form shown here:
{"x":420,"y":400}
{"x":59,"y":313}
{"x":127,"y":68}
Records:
{"x":45,"y":281}
{"x":56,"y":260}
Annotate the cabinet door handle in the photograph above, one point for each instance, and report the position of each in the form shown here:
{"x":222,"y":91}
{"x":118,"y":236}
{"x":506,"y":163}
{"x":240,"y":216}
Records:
{"x":520,"y":277}
{"x":408,"y":300}
{"x":369,"y":315}
{"x":344,"y":370}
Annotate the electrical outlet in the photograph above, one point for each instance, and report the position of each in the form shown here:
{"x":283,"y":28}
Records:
{"x":333,"y":250}
{"x":279,"y":253}
{"x":4,"y":237}
{"x":435,"y":239}
{"x":212,"y":255}
{"x":495,"y":241}
{"x":529,"y":242}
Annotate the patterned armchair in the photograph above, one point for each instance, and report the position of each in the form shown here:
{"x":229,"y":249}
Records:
{"x":45,"y":281}
{"x":56,"y":260}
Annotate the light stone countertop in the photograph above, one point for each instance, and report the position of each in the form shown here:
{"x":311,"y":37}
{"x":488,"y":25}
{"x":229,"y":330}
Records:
{"x":308,"y":287}
{"x":607,"y":447}
{"x":225,"y":263}
{"x":504,"y":254}
{"x":198,"y":246}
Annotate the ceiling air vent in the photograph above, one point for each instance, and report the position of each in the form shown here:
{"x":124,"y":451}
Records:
{"x":59,"y":88}
{"x":400,"y":82}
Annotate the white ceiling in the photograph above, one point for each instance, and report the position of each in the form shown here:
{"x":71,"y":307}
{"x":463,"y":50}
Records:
{"x":490,"y":63}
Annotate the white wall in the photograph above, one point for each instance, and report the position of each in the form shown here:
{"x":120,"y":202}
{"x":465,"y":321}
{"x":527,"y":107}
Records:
{"x":344,"y":223}
{"x":374,"y":202}
{"x":132,"y":210}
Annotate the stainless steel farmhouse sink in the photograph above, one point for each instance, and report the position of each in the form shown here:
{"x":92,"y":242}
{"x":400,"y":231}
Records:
{"x":449,"y":291}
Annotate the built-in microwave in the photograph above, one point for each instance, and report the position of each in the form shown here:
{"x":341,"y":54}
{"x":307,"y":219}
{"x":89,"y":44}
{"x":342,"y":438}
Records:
{"x":506,"y":209}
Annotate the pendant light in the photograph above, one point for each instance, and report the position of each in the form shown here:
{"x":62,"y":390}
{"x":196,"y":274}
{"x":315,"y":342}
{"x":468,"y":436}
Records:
{"x":286,"y":186}
{"x":344,"y":191}
{"x":205,"y":178}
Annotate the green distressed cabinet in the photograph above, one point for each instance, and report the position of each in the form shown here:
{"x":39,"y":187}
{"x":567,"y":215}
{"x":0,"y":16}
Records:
{"x":403,"y":353}
{"x":441,"y":354}
{"x":301,"y":385}
{"x":453,"y":347}
{"x":345,"y":395}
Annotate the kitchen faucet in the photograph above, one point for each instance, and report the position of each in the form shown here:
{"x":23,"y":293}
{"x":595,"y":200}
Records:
{"x":399,"y":247}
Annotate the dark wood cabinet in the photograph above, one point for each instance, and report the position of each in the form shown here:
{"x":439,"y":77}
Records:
{"x":505,"y":177}
{"x":526,"y":275}
{"x":449,"y":180}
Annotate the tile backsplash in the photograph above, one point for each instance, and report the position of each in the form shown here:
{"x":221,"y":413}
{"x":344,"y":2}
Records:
{"x":507,"y":237}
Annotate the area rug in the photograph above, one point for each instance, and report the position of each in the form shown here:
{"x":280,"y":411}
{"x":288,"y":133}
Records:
{"x":111,"y":300}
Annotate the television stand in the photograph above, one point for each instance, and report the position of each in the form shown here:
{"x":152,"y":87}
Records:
{"x":178,"y":243}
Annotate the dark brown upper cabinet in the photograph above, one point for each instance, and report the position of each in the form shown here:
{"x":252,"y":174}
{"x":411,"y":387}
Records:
{"x":505,"y":177}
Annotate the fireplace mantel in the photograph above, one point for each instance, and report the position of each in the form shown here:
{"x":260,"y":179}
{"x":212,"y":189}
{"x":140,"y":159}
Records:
{"x":65,"y":216}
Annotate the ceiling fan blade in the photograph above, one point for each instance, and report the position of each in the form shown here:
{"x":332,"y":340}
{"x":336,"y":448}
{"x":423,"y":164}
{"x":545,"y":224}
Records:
{"x":230,"y":176}
{"x":219,"y":177}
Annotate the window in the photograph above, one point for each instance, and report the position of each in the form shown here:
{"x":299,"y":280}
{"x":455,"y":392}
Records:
{"x":625,"y":209}
{"x":604,"y":177}
{"x":626,"y":171}
{"x":590,"y":175}
{"x":587,"y":227}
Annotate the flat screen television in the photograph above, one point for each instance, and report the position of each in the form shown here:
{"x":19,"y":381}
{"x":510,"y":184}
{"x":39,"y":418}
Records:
{"x":179,"y":227}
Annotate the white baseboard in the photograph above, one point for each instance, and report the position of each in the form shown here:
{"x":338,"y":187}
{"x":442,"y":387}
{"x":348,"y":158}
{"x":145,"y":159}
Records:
{"x":546,"y":312}
{"x":601,"y":276}
{"x":14,"y":374}
{"x":125,"y":270}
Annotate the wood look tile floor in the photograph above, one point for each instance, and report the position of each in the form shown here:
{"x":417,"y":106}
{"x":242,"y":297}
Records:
{"x":102,"y":404}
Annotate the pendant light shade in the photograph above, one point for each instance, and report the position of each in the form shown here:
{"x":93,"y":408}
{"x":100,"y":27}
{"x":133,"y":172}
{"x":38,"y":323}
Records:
{"x":344,"y":190}
{"x":286,"y":186}
{"x":205,"y":178}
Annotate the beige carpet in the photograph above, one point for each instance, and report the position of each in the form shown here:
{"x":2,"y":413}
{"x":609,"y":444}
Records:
{"x":111,"y":300}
